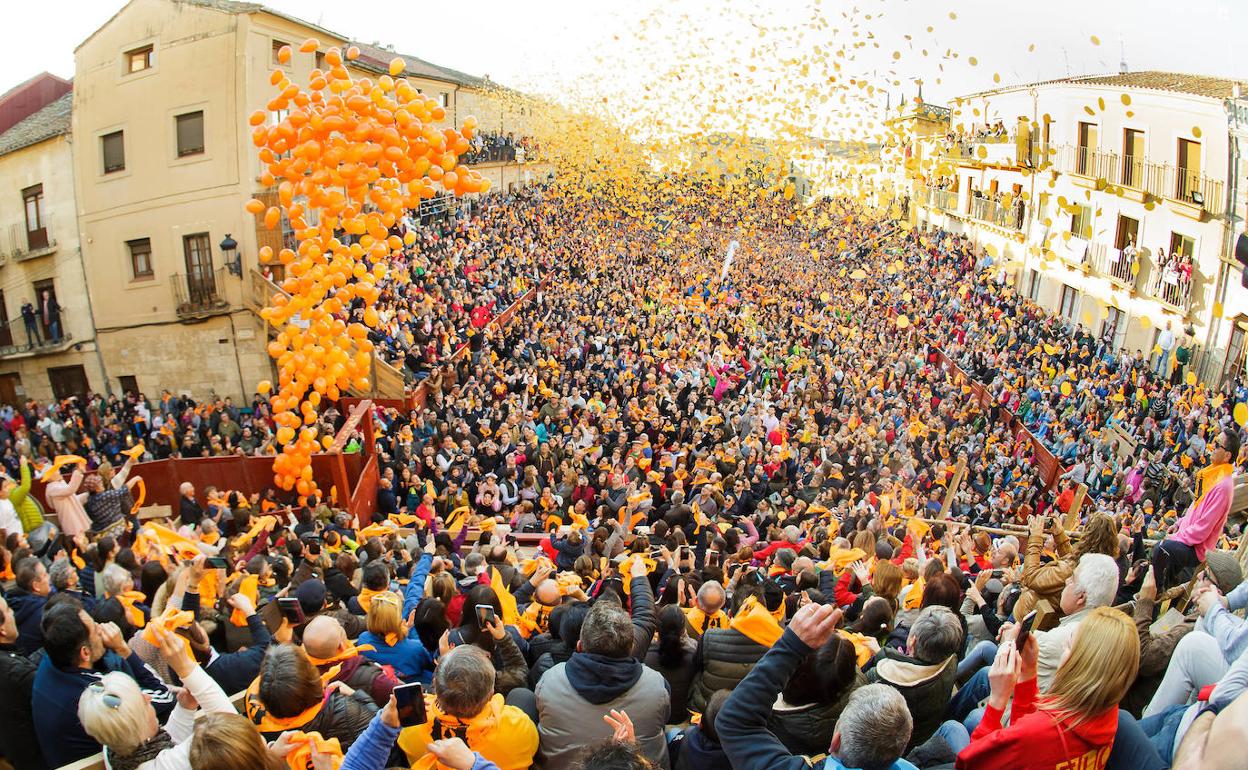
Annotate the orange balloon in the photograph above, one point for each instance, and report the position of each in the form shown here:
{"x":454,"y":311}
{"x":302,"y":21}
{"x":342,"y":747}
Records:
{"x":283,"y":54}
{"x":397,"y":65}
{"x":310,"y":45}
{"x":254,"y":206}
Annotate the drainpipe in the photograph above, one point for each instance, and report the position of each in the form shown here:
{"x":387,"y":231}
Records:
{"x":1228,"y":234}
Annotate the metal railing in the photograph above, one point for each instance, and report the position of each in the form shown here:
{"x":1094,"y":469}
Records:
{"x":17,"y":338}
{"x":23,"y":244}
{"x":1169,"y":287}
{"x":932,"y":197}
{"x":1010,"y":217}
{"x":1161,"y":180}
{"x":1114,"y":264}
{"x":199,"y":293}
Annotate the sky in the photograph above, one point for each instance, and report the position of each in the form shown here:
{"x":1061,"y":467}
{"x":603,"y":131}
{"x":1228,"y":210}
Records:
{"x":618,"y":47}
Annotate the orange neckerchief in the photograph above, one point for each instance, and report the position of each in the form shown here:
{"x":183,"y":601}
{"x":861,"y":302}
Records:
{"x":267,"y":723}
{"x":209,"y":588}
{"x":134,"y":614}
{"x":347,"y":654}
{"x":78,"y":561}
{"x":249,"y":587}
{"x":7,"y":572}
{"x":301,"y":743}
{"x":170,"y":621}
{"x":210,"y":538}
{"x":505,"y":598}
{"x":757,"y":623}
{"x":535,"y":620}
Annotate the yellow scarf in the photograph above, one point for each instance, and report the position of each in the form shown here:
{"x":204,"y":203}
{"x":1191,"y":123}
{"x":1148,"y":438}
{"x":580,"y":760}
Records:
{"x":500,"y":734}
{"x":511,"y":615}
{"x":757,"y":623}
{"x":347,"y":654}
{"x":536,"y":619}
{"x":210,"y":538}
{"x":840,"y":558}
{"x":700,"y":622}
{"x":1208,"y":478}
{"x":914,"y":597}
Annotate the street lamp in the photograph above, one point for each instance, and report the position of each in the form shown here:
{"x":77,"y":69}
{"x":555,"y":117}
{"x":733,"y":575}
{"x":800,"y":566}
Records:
{"x":229,"y":252}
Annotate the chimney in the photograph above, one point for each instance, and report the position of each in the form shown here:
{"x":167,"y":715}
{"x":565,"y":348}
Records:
{"x":1122,"y":58}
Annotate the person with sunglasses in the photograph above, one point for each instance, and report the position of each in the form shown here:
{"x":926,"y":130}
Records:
{"x":1200,"y":528}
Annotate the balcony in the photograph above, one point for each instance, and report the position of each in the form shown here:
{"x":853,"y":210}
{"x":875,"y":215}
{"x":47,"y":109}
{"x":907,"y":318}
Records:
{"x":1114,"y":265}
{"x":22,"y":245}
{"x":935,"y":198}
{"x":19,"y":341}
{"x":1160,"y":180}
{"x":1010,"y":217}
{"x":984,"y":149}
{"x":1170,"y":289}
{"x":199,"y":294}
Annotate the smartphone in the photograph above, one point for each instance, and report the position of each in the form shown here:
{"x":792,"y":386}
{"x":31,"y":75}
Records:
{"x":410,"y":699}
{"x":685,"y":552}
{"x":1024,"y":630}
{"x":216,"y":562}
{"x":291,"y":610}
{"x":485,"y":615}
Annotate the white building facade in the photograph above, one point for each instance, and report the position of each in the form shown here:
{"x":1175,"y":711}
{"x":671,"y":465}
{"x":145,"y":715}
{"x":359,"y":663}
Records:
{"x":1114,"y":200}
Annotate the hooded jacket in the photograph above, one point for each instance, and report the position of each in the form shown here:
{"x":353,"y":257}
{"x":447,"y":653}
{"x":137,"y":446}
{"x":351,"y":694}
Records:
{"x":1038,"y":740}
{"x":697,"y":752}
{"x":925,"y":686}
{"x":573,"y":697}
{"x":808,"y":729}
{"x":500,"y":733}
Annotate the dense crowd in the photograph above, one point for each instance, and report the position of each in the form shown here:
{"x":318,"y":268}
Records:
{"x":755,"y":541}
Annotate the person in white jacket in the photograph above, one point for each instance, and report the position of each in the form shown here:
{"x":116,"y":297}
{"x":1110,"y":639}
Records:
{"x":115,"y":713}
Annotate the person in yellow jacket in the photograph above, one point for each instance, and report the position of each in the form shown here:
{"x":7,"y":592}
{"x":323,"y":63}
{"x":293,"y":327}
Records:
{"x":464,"y":705}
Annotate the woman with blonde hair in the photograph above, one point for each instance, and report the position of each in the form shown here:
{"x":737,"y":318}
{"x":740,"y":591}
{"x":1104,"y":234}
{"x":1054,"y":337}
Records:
{"x":1046,"y":581}
{"x":394,"y":642}
{"x":1075,"y":722}
{"x":115,"y":712}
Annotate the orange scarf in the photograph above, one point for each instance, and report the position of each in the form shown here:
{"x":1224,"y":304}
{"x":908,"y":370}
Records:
{"x":757,"y":623}
{"x":347,"y":654}
{"x":170,"y":621}
{"x":249,"y":587}
{"x":301,"y":743}
{"x":134,"y":614}
{"x":700,"y":622}
{"x":366,"y":597}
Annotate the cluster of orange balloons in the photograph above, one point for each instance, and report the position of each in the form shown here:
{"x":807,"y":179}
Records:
{"x":348,"y":158}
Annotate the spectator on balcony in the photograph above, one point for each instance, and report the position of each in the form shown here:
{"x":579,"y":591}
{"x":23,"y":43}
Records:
{"x":51,"y":312}
{"x":32,"y":327}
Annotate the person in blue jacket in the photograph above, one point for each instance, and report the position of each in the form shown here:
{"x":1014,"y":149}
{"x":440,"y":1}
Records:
{"x":395,"y":641}
{"x":371,"y":751}
{"x":78,"y":652}
{"x":872,"y":731}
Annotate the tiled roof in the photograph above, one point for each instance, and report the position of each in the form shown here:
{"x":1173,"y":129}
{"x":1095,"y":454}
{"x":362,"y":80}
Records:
{"x":371,"y":57}
{"x":1177,"y":82}
{"x":53,"y":120}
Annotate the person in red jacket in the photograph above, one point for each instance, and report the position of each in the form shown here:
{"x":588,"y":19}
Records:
{"x":1074,"y":723}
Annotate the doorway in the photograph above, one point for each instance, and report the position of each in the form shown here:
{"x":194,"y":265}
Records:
{"x":10,"y":385}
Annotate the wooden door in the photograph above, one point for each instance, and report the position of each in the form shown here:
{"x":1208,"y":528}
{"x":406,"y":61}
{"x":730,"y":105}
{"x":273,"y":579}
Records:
{"x":68,"y":381}
{"x":9,"y":385}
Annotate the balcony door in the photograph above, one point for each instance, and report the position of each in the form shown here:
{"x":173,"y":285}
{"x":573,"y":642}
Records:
{"x":1132,"y":157}
{"x":1087,"y":146}
{"x":6,"y":331}
{"x":1188,"y":172}
{"x":36,"y":228}
{"x":201,"y":285}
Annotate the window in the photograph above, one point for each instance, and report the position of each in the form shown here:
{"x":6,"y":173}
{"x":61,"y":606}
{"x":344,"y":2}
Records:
{"x":1081,"y":222}
{"x":190,"y":133}
{"x":1187,"y":175}
{"x":1070,"y":302}
{"x":1113,"y":328}
{"x":1087,"y":147}
{"x":36,"y":228}
{"x":1128,"y":232}
{"x":140,"y":257}
{"x":1033,"y":286}
{"x":129,"y":383}
{"x":277,"y":46}
{"x":139,"y":59}
{"x":114,"y":151}
{"x":1182,"y":245}
{"x":1132,"y":157}
{"x":444,"y":99}
{"x":320,"y":60}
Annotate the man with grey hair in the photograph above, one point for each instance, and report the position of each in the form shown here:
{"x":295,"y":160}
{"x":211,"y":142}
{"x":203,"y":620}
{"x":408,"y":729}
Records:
{"x":871,"y":733}
{"x":463,"y":686}
{"x":925,"y":673}
{"x":64,"y":578}
{"x":709,"y":612}
{"x":604,"y":675}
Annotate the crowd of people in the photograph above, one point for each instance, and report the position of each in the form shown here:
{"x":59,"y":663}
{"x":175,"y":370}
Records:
{"x":770,"y":524}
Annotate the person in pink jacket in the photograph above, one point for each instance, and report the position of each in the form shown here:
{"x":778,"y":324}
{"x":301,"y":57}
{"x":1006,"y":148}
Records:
{"x":1201,"y":527}
{"x":65,"y":499}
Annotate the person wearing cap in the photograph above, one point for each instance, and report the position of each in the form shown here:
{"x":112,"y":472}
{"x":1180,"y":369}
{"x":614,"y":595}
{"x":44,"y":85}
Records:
{"x":312,"y":596}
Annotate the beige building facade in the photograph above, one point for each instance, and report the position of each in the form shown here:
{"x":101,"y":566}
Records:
{"x":55,"y":355}
{"x":163,"y":163}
